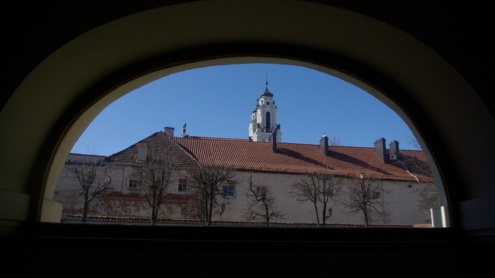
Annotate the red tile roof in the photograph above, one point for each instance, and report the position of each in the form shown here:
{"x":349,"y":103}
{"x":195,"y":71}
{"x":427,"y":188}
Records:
{"x":301,"y":158}
{"x":293,"y":158}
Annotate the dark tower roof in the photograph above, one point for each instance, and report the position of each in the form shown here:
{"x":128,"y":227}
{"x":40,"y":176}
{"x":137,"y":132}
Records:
{"x":267,"y":93}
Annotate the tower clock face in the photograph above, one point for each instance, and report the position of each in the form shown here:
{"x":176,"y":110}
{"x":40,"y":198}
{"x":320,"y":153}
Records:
{"x":267,"y":103}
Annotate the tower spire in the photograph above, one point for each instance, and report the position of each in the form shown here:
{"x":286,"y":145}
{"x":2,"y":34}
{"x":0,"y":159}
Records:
{"x":266,"y":83}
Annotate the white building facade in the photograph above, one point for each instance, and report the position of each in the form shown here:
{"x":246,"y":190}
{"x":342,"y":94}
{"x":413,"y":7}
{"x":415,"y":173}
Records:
{"x":398,"y":193}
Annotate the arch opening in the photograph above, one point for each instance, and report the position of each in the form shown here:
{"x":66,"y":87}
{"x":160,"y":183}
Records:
{"x":77,"y":128}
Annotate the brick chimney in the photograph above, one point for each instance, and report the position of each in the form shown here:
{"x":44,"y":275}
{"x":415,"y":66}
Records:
{"x":169,"y":131}
{"x":381,"y":150}
{"x":274,"y":142}
{"x":324,"y":144}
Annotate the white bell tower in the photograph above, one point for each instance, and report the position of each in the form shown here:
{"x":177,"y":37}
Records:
{"x":264,"y":119}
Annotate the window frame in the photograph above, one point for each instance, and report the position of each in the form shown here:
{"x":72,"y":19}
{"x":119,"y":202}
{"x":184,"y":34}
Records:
{"x":179,"y":185}
{"x":134,"y":182}
{"x":232,"y":191}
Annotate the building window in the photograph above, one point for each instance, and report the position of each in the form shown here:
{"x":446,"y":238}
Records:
{"x":182,"y":186}
{"x":133,"y":184}
{"x":228,"y":191}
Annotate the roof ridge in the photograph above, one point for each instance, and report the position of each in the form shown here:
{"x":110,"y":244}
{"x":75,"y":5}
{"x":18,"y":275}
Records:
{"x":87,"y":154}
{"x":246,"y":140}
{"x":211,"y":138}
{"x":291,"y":143}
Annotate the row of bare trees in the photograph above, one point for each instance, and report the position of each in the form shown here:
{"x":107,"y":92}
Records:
{"x":154,"y":175}
{"x":364,"y":195}
{"x":207,"y":181}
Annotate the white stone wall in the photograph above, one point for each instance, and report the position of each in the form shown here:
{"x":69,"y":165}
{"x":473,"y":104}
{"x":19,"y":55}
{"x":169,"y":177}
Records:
{"x":401,"y":201}
{"x":122,"y":202}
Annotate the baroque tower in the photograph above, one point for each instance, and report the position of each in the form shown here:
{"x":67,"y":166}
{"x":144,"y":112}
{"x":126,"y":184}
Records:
{"x":264,"y":119}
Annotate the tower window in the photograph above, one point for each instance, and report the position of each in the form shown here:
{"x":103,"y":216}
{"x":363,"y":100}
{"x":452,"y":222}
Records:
{"x":268,"y":120}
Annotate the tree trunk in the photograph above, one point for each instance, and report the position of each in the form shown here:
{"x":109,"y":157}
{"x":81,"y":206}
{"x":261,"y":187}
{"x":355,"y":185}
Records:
{"x":317,"y":213}
{"x":267,"y":215}
{"x":85,"y":208}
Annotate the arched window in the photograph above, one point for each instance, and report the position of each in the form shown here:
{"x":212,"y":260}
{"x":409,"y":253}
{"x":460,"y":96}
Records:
{"x":268,"y":121}
{"x":408,"y":165}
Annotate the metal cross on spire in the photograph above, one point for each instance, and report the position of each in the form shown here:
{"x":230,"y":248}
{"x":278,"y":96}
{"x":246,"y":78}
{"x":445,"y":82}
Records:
{"x":266,"y":78}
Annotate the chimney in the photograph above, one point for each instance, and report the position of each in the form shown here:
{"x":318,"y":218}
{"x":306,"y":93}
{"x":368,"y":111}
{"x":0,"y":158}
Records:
{"x":169,"y":131}
{"x":142,"y":151}
{"x":324,"y":144}
{"x":381,"y":150}
{"x":394,"y":149}
{"x":274,"y":141}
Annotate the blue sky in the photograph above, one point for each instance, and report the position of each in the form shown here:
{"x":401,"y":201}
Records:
{"x":217,"y":102}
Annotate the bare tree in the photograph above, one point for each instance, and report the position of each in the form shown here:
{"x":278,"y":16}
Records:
{"x":318,"y":188}
{"x":413,"y":141}
{"x":427,"y":197}
{"x":208,"y":182}
{"x":366,"y":196}
{"x":154,"y":175}
{"x":261,"y":203}
{"x":94,"y":180}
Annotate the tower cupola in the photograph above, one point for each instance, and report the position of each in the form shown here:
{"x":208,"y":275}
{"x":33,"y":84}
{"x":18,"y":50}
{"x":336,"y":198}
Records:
{"x":264,"y":118}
